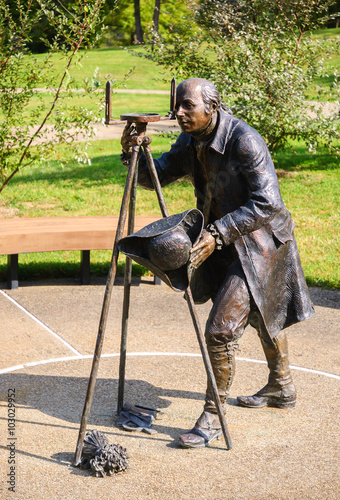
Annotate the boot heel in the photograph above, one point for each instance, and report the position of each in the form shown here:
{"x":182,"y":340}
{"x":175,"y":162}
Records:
{"x":286,"y":404}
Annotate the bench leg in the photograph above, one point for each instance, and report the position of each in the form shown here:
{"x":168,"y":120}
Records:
{"x":85,"y":267}
{"x":157,"y":281}
{"x":12,"y":271}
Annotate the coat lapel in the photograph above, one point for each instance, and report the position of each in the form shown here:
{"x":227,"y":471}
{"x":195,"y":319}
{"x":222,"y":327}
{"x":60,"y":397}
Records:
{"x":216,"y":154}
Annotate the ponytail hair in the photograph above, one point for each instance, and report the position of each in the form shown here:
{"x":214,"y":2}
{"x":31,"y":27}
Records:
{"x":212,"y":97}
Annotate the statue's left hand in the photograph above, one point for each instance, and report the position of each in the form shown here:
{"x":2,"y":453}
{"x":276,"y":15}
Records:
{"x":128,"y":132}
{"x":203,"y":249}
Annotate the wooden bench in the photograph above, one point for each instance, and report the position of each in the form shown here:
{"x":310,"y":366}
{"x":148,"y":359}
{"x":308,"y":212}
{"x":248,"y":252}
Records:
{"x":50,"y":234}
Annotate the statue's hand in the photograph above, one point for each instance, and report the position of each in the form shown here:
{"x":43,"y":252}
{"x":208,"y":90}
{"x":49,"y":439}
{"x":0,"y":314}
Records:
{"x":128,"y":132}
{"x":203,"y":249}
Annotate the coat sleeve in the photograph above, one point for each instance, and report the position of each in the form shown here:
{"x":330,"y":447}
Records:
{"x":264,"y":199}
{"x":170,"y":166}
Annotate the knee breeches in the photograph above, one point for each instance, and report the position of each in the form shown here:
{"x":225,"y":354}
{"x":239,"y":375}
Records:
{"x":230,"y":312}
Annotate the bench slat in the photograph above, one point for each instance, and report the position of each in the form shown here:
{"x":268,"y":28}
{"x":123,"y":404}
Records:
{"x":48,"y":234}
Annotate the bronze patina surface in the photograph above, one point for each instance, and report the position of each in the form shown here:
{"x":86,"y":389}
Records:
{"x":246,"y":260}
{"x":135,"y":131}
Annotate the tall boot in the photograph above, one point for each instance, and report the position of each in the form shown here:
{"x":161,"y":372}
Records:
{"x":279,"y":391}
{"x":225,"y":326}
{"x":223,"y":364}
{"x":208,"y":426}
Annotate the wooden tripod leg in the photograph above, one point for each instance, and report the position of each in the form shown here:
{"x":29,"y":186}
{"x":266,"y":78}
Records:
{"x":106,"y":304}
{"x":128,"y":263}
{"x":126,"y":301}
{"x":155,"y":180}
{"x":192,"y":308}
{"x":208,"y":368}
{"x":128,"y":266}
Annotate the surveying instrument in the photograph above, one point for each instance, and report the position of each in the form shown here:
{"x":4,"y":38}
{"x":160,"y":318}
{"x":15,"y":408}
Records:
{"x":140,"y":140}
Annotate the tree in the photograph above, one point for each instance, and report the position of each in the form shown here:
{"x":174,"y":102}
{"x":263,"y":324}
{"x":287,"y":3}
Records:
{"x":263,"y":59}
{"x":334,"y":11}
{"x":155,"y":19}
{"x":121,"y":24}
{"x":43,"y":30}
{"x":23,"y":109}
{"x":138,"y":36}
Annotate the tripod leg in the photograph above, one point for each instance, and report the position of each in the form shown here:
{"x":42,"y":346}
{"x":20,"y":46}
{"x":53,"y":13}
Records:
{"x":106,"y":304}
{"x":155,"y":180}
{"x":192,"y":308}
{"x":208,"y":368}
{"x":126,"y":301}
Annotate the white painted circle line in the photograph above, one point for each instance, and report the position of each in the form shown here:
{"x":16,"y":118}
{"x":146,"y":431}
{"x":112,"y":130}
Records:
{"x":12,"y":369}
{"x":41,"y":324}
{"x":131,"y":354}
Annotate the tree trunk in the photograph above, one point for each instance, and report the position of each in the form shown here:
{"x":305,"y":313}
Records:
{"x":139,"y":30}
{"x":155,"y":19}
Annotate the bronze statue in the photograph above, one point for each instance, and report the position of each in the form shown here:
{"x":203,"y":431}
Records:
{"x":246,"y":259}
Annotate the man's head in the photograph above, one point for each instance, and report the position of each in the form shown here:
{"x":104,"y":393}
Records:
{"x":197,"y":101}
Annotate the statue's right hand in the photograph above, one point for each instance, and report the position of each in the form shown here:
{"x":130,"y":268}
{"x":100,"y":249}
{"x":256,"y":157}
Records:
{"x":126,"y":142}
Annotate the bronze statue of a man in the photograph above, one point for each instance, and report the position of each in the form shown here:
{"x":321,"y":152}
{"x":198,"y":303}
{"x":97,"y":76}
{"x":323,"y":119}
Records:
{"x":246,"y":260}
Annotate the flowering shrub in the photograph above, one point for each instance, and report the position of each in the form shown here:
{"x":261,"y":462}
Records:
{"x":23,"y":110}
{"x":262,"y":57}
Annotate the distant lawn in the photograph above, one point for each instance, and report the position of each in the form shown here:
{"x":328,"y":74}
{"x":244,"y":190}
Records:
{"x":112,"y":63}
{"x":121,"y":103}
{"x":310,"y":184}
{"x":326,"y":33}
{"x":310,"y":187}
{"x":116,"y":63}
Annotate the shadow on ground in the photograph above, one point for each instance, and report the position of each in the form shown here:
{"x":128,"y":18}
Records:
{"x":63,"y":397}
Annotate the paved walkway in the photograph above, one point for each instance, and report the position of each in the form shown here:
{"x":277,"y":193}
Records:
{"x":111,"y":131}
{"x":115,"y":91}
{"x":115,"y":131}
{"x":48,"y":332}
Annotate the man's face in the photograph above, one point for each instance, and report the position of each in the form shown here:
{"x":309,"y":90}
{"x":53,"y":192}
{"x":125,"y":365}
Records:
{"x":190,"y":108}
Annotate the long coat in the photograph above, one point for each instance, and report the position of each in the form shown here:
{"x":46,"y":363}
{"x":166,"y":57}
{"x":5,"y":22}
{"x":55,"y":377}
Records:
{"x":240,"y":194}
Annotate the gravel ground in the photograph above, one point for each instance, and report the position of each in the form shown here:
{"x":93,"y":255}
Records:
{"x":276,"y":454}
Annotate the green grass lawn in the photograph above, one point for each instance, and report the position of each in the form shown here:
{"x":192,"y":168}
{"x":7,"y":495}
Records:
{"x":310,"y":187}
{"x":310,"y":184}
{"x":116,"y":63}
{"x":121,"y":103}
{"x":146,"y":75}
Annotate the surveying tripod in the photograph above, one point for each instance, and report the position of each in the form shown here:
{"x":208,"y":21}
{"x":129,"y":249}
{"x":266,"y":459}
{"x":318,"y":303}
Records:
{"x":140,"y":140}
